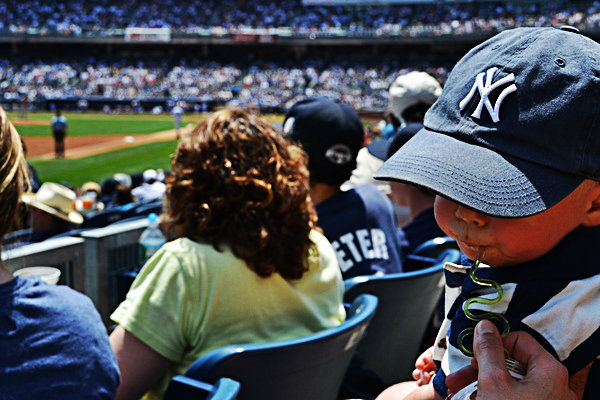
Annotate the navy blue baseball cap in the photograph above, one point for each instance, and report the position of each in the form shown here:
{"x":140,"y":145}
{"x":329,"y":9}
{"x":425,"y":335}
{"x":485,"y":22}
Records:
{"x":516,"y":128}
{"x":330,"y":132}
{"x":378,"y":148}
{"x":384,"y":148}
{"x":403,"y":135}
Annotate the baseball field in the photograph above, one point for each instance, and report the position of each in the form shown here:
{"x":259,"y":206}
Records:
{"x":99,"y":145}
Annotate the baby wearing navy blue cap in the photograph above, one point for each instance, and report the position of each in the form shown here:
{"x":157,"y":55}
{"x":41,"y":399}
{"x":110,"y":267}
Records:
{"x":512,"y":149}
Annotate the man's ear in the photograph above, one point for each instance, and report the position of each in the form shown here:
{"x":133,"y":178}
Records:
{"x":592,"y":215}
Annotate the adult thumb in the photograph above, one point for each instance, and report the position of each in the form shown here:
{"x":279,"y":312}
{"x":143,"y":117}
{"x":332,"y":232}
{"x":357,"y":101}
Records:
{"x":489,"y":352}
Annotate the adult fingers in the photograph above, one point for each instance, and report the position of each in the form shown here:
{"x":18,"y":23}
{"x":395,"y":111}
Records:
{"x":461,"y":378}
{"x":541,"y":365}
{"x":545,"y":378}
{"x":523,"y":347}
{"x":493,"y":377}
{"x":488,"y":346}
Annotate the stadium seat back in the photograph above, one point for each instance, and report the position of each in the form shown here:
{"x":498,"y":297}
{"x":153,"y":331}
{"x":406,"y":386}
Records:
{"x":432,"y":248}
{"x":407,"y":302}
{"x":309,"y":367}
{"x":16,"y":238}
{"x":154,"y":206}
{"x":185,"y":388}
{"x":100,"y":219}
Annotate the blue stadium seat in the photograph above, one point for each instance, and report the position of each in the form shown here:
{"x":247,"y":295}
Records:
{"x":76,"y":232}
{"x":432,"y":248}
{"x":153,"y":206}
{"x":185,"y":388}
{"x":310,"y":367}
{"x":100,"y":219}
{"x":393,"y":341}
{"x":16,"y":238}
{"x":129,"y":219}
{"x":142,"y":210}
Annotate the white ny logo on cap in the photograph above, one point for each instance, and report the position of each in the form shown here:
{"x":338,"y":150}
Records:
{"x":485,"y":90}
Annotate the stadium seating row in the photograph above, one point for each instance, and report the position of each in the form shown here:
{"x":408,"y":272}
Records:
{"x":88,"y":18}
{"x":266,"y":84}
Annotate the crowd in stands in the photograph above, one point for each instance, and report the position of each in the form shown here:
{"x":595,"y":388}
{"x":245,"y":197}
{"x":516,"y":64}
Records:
{"x":101,"y":17}
{"x":55,"y":210}
{"x":266,"y":84}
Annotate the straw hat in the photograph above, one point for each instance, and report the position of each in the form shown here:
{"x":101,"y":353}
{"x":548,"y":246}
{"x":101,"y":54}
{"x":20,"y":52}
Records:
{"x":54,"y":199}
{"x":91,"y":187}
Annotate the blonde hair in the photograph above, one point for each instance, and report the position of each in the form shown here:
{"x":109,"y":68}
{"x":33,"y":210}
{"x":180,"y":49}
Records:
{"x":13,"y":172}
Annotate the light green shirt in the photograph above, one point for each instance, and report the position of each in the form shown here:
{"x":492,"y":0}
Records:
{"x":190,"y":299}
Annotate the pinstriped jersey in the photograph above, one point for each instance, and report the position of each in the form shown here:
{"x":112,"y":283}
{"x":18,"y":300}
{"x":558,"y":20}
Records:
{"x":556,"y":298}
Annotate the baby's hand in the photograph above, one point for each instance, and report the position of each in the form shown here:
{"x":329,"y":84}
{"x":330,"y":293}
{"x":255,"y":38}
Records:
{"x":424,"y":368}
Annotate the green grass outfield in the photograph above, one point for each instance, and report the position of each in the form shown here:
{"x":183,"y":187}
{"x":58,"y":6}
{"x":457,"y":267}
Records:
{"x":81,"y":124}
{"x":99,"y":167}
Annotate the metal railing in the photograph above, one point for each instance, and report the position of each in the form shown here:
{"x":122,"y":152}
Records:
{"x":65,"y":253}
{"x":94,"y":264}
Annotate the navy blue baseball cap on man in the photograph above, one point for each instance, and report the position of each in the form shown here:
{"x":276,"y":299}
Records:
{"x":516,"y":128}
{"x":330,"y":132}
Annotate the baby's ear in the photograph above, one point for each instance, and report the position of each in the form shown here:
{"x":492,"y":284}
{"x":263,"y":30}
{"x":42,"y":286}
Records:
{"x":592,"y":215}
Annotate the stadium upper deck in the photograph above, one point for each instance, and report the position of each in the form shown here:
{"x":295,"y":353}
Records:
{"x":207,"y":61}
{"x":129,"y":85}
{"x":97,"y":18}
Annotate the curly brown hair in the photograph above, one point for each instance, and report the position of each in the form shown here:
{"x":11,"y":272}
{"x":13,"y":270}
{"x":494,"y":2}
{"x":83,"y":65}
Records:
{"x":237,"y":181}
{"x":13,"y":173}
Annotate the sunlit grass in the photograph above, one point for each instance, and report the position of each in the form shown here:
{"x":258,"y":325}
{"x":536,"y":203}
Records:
{"x":99,"y":167}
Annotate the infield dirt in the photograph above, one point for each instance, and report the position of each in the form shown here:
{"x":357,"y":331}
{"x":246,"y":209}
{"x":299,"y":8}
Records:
{"x":84,"y":146}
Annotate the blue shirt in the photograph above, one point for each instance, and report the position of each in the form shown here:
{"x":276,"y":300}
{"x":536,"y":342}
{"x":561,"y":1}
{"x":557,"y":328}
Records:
{"x":421,"y":229}
{"x":361,"y":225}
{"x":53,"y":344}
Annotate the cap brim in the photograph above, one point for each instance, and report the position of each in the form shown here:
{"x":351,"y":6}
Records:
{"x":477,"y":177}
{"x":379,"y":148}
{"x":73,"y":216}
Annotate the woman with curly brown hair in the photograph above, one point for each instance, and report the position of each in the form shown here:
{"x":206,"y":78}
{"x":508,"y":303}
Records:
{"x":53,"y":342}
{"x":247,"y":264}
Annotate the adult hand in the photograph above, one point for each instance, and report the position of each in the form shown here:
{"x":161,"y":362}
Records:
{"x":546,"y":378}
{"x":424,"y":368}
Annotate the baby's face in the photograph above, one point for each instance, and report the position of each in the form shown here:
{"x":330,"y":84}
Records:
{"x":511,"y":241}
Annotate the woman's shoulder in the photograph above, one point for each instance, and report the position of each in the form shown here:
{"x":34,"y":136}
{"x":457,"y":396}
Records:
{"x":318,"y":238}
{"x":322,"y":252}
{"x":34,"y":287}
{"x":55,"y":298}
{"x":194,"y":255}
{"x":186,"y":247}
{"x":59,"y":306}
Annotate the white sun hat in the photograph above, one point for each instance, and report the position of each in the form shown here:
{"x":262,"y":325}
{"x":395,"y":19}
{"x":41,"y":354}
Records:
{"x":54,"y":199}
